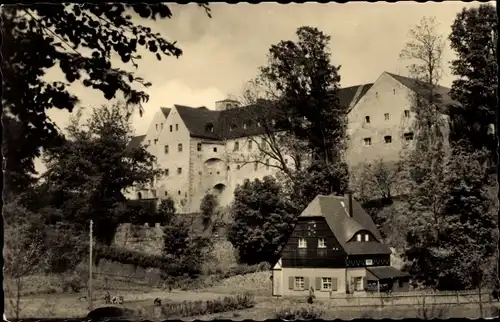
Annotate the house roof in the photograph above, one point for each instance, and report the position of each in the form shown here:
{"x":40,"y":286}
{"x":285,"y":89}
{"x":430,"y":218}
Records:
{"x":134,"y":142}
{"x":345,"y":227}
{"x":420,"y":88}
{"x":165,"y":111}
{"x":386,"y":272}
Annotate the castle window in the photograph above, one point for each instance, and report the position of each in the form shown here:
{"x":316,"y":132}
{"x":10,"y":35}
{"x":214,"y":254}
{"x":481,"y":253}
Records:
{"x":408,"y":136}
{"x":166,"y":172}
{"x":179,"y":147}
{"x":156,"y":127}
{"x":388,"y":139}
{"x":358,"y":237}
{"x":368,"y":141}
{"x":177,"y":127}
{"x":209,"y":127}
{"x":215,"y":149}
{"x":367,"y":119}
{"x":199,"y":147}
{"x":155,"y":141}
{"x":321,"y":243}
{"x":302,"y":243}
{"x":386,"y":116}
{"x":407,"y":113}
{"x":139,"y":195}
{"x":161,"y":126}
{"x":238,"y":167}
{"x":236,"y":146}
{"x":394,"y":91}
{"x":171,"y":128}
{"x":179,"y":192}
{"x":256,"y":166}
{"x":228,"y":168}
{"x":249,"y":145}
{"x":179,"y":170}
{"x":166,"y":193}
{"x":165,"y":149}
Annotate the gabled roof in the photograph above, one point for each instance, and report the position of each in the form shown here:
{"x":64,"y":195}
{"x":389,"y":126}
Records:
{"x":242,"y":121}
{"x":345,"y":227}
{"x":134,"y":142}
{"x":386,"y":272}
{"x":420,"y":88}
{"x":165,"y":111}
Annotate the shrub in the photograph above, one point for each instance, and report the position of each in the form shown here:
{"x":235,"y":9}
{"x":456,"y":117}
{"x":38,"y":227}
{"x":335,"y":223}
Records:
{"x":299,"y":313}
{"x":193,"y":308}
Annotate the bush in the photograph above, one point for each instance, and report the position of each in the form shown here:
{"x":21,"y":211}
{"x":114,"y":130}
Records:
{"x":302,"y":313}
{"x":193,"y":308}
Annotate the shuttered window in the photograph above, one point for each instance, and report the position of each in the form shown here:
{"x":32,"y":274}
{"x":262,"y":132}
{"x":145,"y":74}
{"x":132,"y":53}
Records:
{"x":298,"y":283}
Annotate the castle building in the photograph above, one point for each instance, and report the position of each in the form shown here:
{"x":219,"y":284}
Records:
{"x":202,"y":149}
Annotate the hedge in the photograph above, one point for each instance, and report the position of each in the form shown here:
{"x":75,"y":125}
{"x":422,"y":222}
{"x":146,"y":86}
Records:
{"x":168,"y":265}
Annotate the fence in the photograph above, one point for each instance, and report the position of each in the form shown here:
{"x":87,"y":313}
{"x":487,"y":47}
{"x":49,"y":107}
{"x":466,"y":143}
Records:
{"x":411,"y":298}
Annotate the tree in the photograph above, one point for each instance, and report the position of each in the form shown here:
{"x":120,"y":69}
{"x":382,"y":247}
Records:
{"x":262,"y":221}
{"x":90,"y":171}
{"x":166,"y":210}
{"x":80,"y":39}
{"x":424,"y":165}
{"x":301,"y":115}
{"x":474,"y":38}
{"x":208,"y":208}
{"x":471,"y":223}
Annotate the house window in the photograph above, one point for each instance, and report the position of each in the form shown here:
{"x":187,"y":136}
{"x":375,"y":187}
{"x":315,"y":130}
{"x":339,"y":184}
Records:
{"x":166,"y":149}
{"x":286,"y":160}
{"x":155,"y":141}
{"x":256,"y":166}
{"x":238,"y":167}
{"x":367,"y":237}
{"x":177,"y":127}
{"x":166,"y":172}
{"x":179,"y":192}
{"x":179,"y":170}
{"x":179,"y":147}
{"x":326,"y":283}
{"x":394,"y":91}
{"x":199,"y":147}
{"x":139,"y":195}
{"x":376,"y":94}
{"x":358,"y":283}
{"x":149,"y":142}
{"x":321,"y":243}
{"x":368,"y":141}
{"x":258,"y":124}
{"x":249,"y":145}
{"x":358,"y":237}
{"x":368,"y":262}
{"x":407,"y":113}
{"x":387,"y":139}
{"x":386,"y":116}
{"x":236,"y":146}
{"x":408,"y":136}
{"x":166,"y":193}
{"x":267,"y":164}
{"x":171,"y":128}
{"x":161,"y":126}
{"x":299,"y":283}
{"x":302,"y":243}
{"x":367,"y":119}
{"x":210,"y":127}
{"x":156,"y":127}
{"x":228,"y":168}
{"x":400,"y":283}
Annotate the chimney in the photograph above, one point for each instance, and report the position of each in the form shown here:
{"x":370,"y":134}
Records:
{"x":349,"y":196}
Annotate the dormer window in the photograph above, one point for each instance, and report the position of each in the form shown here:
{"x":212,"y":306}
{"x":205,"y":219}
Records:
{"x":358,"y":237}
{"x":302,"y":243}
{"x":367,"y":119}
{"x":321,"y":243}
{"x":367,"y":237}
{"x":209,"y":127}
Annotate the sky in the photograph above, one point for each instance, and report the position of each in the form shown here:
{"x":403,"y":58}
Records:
{"x":221,"y":53}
